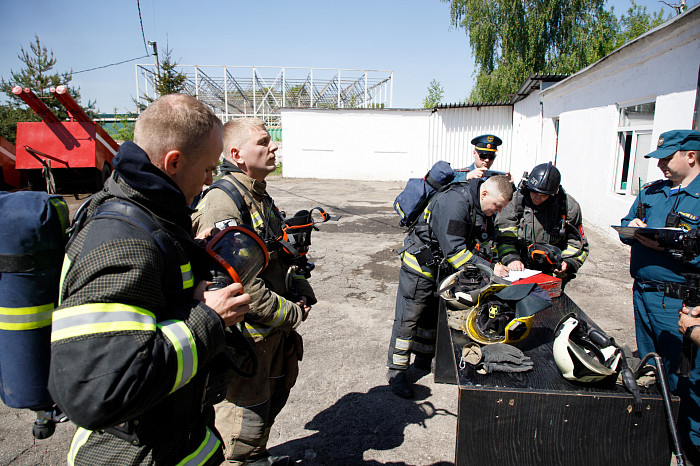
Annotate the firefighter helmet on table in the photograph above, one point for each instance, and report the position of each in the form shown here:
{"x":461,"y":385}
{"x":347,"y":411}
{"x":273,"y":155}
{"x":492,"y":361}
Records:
{"x":461,"y":290}
{"x":578,"y":358}
{"x":544,"y":178}
{"x":494,"y":320}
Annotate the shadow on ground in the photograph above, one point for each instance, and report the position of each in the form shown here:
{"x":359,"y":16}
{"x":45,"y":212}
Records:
{"x":360,"y":422}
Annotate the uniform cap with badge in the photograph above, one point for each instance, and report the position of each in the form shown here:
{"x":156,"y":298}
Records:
{"x":487,"y":144}
{"x":671,"y":142}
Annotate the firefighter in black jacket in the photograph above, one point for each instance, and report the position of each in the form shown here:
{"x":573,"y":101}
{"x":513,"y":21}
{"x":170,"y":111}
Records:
{"x":542,"y":214}
{"x":455,"y":230}
{"x":135,"y":332}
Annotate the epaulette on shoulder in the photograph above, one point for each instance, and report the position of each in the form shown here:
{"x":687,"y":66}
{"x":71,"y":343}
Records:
{"x":654,"y":184}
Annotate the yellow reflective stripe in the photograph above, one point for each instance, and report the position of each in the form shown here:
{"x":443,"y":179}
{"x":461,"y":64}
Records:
{"x":412,"y":263}
{"x":204,"y":452}
{"x":257,"y":220}
{"x":89,"y":319}
{"x":427,"y":214}
{"x":572,"y":249}
{"x":281,"y":313}
{"x":180,"y":336}
{"x":399,"y":211}
{"x":265,"y":437}
{"x":402,"y":345}
{"x":64,"y":271}
{"x":79,"y":439}
{"x":253,"y":330}
{"x":26,"y":318}
{"x":461,"y":258}
{"x":62,"y":210}
{"x":399,"y":359}
{"x":187,"y":276}
{"x":504,"y":249}
{"x":201,"y":204}
{"x":508,"y":232}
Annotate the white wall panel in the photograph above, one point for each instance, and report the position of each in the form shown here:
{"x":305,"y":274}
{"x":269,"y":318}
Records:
{"x":452,"y":129}
{"x":355,"y":144}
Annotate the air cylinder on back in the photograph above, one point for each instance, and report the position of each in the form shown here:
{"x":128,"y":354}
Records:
{"x":32,"y":239}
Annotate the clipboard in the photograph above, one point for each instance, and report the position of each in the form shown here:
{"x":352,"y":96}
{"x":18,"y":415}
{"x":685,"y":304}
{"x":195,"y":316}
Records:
{"x":629,"y":232}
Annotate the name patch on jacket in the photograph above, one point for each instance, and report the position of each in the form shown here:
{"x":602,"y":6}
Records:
{"x":223,"y":224}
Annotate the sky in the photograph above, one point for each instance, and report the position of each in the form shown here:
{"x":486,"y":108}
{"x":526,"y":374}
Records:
{"x":413,"y":38}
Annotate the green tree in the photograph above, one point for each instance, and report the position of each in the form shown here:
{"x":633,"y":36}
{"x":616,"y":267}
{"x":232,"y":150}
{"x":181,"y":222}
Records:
{"x":38,"y":76}
{"x":167,"y":80}
{"x":122,"y":129}
{"x":637,"y":22}
{"x":435,"y":93}
{"x":512,"y":38}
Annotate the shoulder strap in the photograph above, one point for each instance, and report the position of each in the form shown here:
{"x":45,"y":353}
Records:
{"x":123,"y":210}
{"x":563,"y":211}
{"x":235,"y":195}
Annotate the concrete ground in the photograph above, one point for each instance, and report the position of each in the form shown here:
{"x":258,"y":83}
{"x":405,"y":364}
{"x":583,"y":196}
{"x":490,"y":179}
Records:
{"x":341,"y":410}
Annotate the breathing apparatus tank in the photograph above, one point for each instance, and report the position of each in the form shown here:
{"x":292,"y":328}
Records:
{"x":32,"y":240}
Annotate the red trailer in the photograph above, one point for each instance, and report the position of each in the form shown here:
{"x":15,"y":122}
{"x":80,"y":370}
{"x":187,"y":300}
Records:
{"x":10,"y":178}
{"x":55,"y":152}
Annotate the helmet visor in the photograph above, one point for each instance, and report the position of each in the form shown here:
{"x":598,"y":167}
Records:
{"x":240,"y":251}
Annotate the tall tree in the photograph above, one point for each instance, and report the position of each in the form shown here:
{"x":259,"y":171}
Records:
{"x":512,"y":38}
{"x":37,"y":75}
{"x":435,"y":94}
{"x":167,"y":80}
{"x":637,"y":21}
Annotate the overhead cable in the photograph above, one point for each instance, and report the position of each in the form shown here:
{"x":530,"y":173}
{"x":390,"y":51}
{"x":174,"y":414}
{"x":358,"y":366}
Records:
{"x":111,"y":64}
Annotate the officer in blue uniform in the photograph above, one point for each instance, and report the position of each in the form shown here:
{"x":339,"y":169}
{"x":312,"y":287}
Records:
{"x":672,"y":202}
{"x":485,"y":148}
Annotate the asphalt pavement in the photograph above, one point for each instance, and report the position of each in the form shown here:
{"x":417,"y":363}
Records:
{"x":341,"y":410}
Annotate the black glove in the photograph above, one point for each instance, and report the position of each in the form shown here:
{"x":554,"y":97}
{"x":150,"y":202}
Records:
{"x":501,"y":357}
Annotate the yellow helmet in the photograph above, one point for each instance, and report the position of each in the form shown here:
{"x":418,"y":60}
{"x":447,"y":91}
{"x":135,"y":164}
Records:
{"x":493,"y":320}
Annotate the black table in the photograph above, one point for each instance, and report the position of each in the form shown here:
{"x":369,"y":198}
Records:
{"x":538,"y":417}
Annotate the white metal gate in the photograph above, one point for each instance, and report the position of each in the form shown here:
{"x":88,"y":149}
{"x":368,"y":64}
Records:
{"x":452,"y":129}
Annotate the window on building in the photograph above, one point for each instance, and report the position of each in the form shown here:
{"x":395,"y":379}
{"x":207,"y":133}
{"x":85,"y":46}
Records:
{"x":634,"y":142}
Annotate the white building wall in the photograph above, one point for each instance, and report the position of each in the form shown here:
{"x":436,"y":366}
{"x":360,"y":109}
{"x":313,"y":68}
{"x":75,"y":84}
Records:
{"x":660,"y":67}
{"x":527,"y":136}
{"x":367,"y":144}
{"x":452,"y":129}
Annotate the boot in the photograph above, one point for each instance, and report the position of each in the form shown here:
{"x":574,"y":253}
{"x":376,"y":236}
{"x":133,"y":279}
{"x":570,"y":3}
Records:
{"x":400,"y":385}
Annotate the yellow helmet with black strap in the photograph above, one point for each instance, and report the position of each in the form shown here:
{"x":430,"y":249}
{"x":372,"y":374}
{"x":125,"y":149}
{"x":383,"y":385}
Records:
{"x":505,"y":314}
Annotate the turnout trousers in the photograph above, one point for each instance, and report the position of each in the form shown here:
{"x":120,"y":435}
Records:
{"x":245,"y":418}
{"x":415,"y":320}
{"x":657,"y":331}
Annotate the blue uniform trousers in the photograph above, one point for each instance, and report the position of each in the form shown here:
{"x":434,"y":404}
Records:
{"x":415,"y":320}
{"x":657,"y":331}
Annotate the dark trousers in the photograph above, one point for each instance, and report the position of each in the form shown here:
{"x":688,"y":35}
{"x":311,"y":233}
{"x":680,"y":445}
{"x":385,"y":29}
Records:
{"x":415,"y":320}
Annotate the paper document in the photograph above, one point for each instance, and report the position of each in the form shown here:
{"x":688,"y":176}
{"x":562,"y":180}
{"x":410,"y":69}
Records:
{"x":628,"y":232}
{"x":519,"y":275}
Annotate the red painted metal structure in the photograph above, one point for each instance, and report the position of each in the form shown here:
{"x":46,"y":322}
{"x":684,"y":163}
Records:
{"x":9,"y":175}
{"x":80,"y":144}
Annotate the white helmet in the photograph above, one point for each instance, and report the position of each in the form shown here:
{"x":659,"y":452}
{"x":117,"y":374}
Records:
{"x":578,"y":358}
{"x":461,"y":290}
